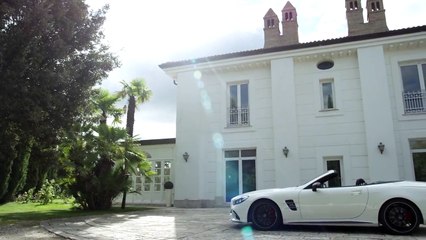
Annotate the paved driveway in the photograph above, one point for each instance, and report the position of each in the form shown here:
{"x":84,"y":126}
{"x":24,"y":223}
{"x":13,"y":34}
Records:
{"x":212,"y":223}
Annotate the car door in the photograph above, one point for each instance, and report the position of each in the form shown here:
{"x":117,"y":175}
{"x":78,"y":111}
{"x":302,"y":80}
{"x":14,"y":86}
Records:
{"x":333,"y":203}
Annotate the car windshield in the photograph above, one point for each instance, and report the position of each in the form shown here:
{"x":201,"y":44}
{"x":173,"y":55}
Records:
{"x":332,"y":180}
{"x":327,"y":180}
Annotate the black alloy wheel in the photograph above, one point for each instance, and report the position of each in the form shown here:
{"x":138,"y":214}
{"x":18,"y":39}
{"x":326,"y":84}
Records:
{"x":400,"y":217}
{"x":265,"y":215}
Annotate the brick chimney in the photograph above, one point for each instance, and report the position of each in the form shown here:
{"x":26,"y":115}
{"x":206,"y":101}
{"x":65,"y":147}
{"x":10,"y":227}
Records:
{"x":273,"y":37}
{"x":376,"y":19}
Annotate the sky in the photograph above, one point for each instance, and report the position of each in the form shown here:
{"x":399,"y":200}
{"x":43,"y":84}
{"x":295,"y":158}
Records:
{"x":146,"y":33}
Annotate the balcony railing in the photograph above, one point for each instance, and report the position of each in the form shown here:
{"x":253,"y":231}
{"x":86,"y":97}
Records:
{"x":414,"y":102}
{"x":238,"y":117}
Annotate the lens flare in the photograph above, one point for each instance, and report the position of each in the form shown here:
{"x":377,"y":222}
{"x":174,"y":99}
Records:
{"x":247,"y":233}
{"x":205,"y":101}
{"x":200,"y":84}
{"x":198,"y":75}
{"x":218,"y":140}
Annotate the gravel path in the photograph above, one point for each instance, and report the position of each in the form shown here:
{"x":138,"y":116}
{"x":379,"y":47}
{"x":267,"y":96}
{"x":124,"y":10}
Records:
{"x":25,"y":231}
{"x":172,"y":223}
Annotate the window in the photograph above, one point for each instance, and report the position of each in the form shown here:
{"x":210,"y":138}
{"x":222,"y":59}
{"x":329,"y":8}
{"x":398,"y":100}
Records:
{"x":375,"y":6}
{"x":419,"y":161}
{"x":270,"y":23}
{"x":155,"y":183}
{"x":328,"y":100}
{"x":418,"y":151}
{"x":240,"y":172}
{"x":324,"y":65}
{"x":138,"y":183}
{"x":413,"y":82}
{"x":334,"y":164}
{"x":238,"y":111}
{"x":288,"y":16}
{"x":353,"y":5}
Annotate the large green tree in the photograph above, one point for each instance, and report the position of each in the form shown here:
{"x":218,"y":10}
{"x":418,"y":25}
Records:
{"x":51,"y":55}
{"x":137,"y":93}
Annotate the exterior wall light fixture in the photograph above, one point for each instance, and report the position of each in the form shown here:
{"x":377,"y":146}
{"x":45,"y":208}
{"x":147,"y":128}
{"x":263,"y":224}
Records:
{"x":285,"y":151}
{"x":185,"y":156}
{"x":381,"y":147}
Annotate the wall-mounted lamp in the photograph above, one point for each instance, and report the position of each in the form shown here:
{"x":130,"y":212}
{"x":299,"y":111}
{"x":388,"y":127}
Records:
{"x":285,"y":151}
{"x":381,"y":147}
{"x":185,"y":156}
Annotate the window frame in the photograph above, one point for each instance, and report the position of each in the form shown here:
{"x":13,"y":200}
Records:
{"x":333,"y":94}
{"x":417,"y":146}
{"x":396,"y":61}
{"x":148,"y":185}
{"x":419,"y":94}
{"x":240,"y":159}
{"x":419,"y":65}
{"x":340,"y":173}
{"x":240,"y":110}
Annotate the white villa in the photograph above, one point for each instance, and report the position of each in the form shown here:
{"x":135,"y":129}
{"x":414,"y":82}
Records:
{"x":280,"y":115}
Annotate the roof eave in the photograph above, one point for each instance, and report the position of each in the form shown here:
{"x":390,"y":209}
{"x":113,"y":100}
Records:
{"x":209,"y":59}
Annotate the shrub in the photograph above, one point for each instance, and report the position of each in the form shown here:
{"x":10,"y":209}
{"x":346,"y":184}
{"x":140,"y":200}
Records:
{"x":49,"y":191}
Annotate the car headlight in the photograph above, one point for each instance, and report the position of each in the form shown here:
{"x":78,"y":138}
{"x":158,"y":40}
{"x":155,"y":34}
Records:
{"x":240,"y":200}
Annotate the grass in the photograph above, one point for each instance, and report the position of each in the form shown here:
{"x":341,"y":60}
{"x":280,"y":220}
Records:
{"x":33,"y":213}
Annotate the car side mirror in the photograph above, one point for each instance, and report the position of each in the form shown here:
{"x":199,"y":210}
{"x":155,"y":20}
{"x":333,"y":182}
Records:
{"x":315,"y":186}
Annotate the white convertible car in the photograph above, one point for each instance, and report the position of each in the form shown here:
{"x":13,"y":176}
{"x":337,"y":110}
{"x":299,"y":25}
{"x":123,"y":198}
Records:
{"x":400,"y":206}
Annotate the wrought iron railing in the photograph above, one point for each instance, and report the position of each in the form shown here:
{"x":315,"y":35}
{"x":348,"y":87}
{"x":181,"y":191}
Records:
{"x":414,"y":102}
{"x":238,"y":117}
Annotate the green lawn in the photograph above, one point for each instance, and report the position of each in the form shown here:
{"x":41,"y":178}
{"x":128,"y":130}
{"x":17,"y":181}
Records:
{"x":12,"y":213}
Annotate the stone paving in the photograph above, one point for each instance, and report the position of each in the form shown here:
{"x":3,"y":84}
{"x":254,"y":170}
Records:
{"x":212,"y":223}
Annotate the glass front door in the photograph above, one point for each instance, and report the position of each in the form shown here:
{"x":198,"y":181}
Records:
{"x":232,"y":179}
{"x":335,"y":165}
{"x":418,"y":151}
{"x":249,"y":175}
{"x":240,"y":172}
{"x":419,"y":161}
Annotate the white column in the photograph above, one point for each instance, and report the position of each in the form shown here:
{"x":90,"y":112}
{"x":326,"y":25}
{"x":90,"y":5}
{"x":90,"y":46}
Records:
{"x":287,"y":171}
{"x":379,"y":125}
{"x":187,"y":140}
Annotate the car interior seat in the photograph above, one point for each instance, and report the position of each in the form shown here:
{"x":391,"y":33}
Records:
{"x":360,"y":182}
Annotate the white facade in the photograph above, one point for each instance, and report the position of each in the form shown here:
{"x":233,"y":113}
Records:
{"x":161,"y":154}
{"x":279,"y":100}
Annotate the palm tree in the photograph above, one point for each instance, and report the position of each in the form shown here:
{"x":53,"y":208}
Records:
{"x":99,"y":156}
{"x":104,"y":104}
{"x":137,"y":93}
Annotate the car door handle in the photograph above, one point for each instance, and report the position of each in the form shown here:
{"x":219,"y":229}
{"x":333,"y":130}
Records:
{"x":356,"y":193}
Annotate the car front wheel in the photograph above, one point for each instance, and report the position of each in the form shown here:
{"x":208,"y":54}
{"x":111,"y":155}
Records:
{"x":400,"y":217}
{"x":265,"y":215}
